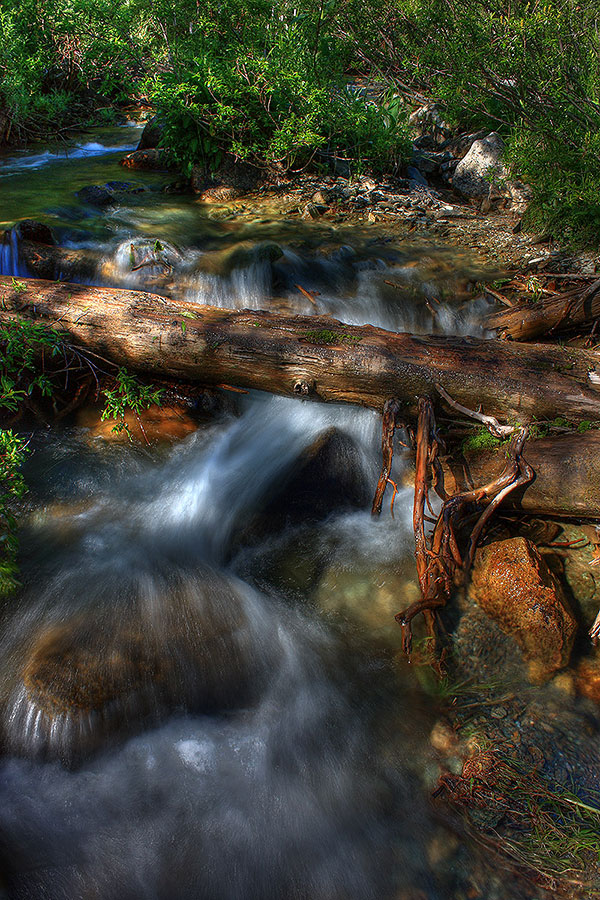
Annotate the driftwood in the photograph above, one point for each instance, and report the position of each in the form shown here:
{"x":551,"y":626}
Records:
{"x":309,"y":356}
{"x":524,"y":321}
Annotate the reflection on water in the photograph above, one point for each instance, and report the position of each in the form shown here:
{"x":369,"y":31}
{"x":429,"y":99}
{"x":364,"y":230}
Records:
{"x":198,"y":699}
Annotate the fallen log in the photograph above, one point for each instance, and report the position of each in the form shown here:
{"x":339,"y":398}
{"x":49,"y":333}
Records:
{"x":524,"y":321}
{"x":308,"y":356}
{"x":566,"y":482}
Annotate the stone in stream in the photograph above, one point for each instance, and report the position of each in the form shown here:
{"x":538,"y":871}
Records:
{"x":513,"y":585}
{"x":145,"y":160}
{"x":31,"y":230}
{"x":93,"y":679}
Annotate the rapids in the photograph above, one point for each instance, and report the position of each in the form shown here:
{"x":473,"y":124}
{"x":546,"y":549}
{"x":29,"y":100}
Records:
{"x":199,"y":702}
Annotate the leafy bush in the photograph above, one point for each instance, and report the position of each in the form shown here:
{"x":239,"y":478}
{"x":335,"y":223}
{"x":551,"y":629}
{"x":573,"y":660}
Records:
{"x":528,"y":70}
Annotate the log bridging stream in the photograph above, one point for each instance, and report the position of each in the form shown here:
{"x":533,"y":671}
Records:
{"x":314,"y":357}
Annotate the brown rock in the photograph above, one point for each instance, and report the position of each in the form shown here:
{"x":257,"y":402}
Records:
{"x":148,"y":160}
{"x":166,"y":423}
{"x":513,"y":585}
{"x":587,"y":678}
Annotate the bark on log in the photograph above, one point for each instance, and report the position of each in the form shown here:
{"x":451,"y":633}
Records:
{"x":309,"y":356}
{"x":567,"y":475}
{"x":526,"y":321}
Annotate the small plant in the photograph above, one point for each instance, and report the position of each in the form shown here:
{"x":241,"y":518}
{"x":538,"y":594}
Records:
{"x":481,"y":439}
{"x":127,"y":394}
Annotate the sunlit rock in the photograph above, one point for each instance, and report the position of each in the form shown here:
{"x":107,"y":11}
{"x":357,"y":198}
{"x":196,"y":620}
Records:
{"x":514,"y":586}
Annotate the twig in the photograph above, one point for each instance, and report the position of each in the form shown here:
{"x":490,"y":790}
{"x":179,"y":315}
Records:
{"x":491,"y":423}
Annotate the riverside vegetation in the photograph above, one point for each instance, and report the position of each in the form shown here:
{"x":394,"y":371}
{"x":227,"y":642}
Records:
{"x":276,"y":84}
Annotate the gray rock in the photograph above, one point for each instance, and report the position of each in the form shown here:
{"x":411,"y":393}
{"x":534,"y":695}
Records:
{"x":416,"y":177}
{"x":481,"y":168}
{"x":428,"y":125}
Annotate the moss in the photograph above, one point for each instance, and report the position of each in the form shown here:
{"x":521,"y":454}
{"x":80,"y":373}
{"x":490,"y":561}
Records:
{"x":325,"y":336}
{"x":481,"y":439}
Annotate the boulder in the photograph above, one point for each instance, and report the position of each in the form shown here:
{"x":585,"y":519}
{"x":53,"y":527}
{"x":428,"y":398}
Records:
{"x":326,"y":476}
{"x":145,"y":160}
{"x":30,"y":230}
{"x":97,"y":195}
{"x":513,"y":585}
{"x":240,"y":256}
{"x":96,"y":677}
{"x":151,"y":134}
{"x":481,"y":168}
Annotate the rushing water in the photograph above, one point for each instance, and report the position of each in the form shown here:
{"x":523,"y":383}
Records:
{"x":200,"y":692}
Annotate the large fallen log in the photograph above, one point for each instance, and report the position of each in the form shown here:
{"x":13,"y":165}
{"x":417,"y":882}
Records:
{"x":525,"y":321}
{"x":566,"y":482}
{"x":311,"y":357}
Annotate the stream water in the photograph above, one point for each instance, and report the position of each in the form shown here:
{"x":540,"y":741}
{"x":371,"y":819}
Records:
{"x":202,"y":694}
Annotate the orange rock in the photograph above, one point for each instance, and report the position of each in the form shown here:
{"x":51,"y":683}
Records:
{"x":513,"y":585}
{"x":587,"y":678}
{"x":148,"y":160}
{"x":158,"y":423}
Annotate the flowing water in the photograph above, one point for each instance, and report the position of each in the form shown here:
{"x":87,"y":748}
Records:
{"x":202,"y":696}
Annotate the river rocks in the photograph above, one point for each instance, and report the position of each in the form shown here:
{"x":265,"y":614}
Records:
{"x":151,"y":135}
{"x":481,"y":167}
{"x":513,"y":585}
{"x":45,"y":261}
{"x":145,"y":160}
{"x":92,"y":678}
{"x":107,"y":194}
{"x":97,"y":195}
{"x":31,"y":230}
{"x":239,"y":256}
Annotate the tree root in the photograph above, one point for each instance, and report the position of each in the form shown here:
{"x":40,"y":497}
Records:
{"x":440,"y":563}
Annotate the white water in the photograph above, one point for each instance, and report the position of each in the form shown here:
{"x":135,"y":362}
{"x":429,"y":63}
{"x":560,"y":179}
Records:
{"x":253,"y":748}
{"x":15,"y":164}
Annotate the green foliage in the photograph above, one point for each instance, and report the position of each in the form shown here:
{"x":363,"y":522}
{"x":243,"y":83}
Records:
{"x":24,"y":349}
{"x":267,"y":84}
{"x":127,"y":394}
{"x":31,"y":361}
{"x":528,"y":70}
{"x":12,"y":487}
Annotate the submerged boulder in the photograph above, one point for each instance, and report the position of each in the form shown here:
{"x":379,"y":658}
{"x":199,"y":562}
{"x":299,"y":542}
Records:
{"x":513,"y":585}
{"x":97,"y":677}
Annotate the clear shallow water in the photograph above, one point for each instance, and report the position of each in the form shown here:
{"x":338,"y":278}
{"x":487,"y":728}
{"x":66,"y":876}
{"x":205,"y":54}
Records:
{"x":240,"y":727}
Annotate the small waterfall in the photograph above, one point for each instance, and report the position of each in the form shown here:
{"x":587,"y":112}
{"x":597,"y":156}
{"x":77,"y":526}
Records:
{"x":10,"y":264}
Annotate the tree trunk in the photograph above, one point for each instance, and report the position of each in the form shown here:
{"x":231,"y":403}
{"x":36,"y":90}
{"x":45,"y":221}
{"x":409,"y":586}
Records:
{"x":567,"y":480}
{"x":308,"y":356}
{"x":526,"y":321}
